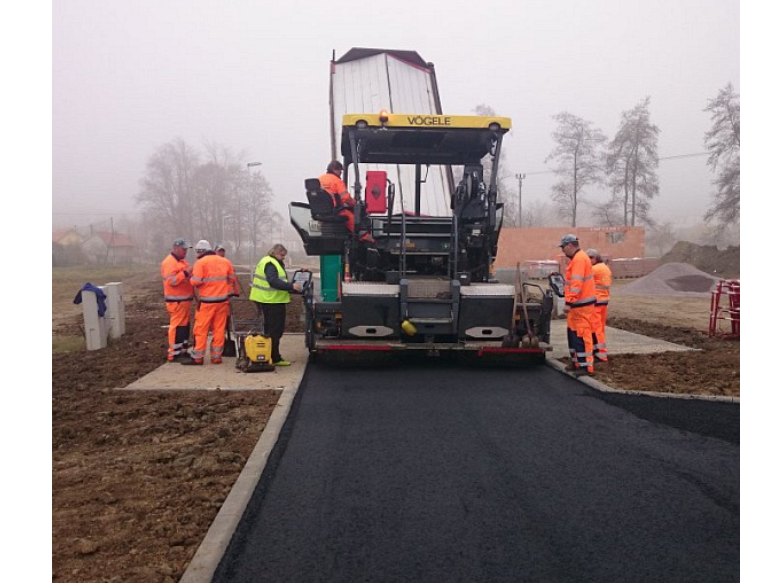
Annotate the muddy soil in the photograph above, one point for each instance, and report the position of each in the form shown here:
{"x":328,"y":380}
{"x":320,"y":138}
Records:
{"x":138,"y":477}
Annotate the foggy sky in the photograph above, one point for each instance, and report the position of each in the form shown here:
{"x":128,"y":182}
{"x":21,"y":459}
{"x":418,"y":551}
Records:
{"x":131,"y":76}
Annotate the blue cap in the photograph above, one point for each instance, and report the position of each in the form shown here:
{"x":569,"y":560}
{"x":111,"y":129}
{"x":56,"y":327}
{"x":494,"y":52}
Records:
{"x":569,"y":238}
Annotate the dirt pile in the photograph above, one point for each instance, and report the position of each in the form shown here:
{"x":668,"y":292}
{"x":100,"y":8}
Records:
{"x":672,"y":279}
{"x":724,"y":264}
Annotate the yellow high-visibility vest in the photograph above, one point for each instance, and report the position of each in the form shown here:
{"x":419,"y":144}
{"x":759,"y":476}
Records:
{"x":260,"y":291}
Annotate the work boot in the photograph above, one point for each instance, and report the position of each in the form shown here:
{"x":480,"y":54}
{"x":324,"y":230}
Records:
{"x":282,"y":362}
{"x":582,"y":372}
{"x":572,"y":367}
{"x":216,"y":360}
{"x":193,"y":361}
{"x":181,"y":358}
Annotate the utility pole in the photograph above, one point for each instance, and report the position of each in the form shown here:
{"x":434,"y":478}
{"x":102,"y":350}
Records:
{"x":520,"y":177}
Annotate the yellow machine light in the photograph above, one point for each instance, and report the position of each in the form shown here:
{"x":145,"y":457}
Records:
{"x":408,"y":328}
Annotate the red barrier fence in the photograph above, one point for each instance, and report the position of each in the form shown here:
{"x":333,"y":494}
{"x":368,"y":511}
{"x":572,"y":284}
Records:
{"x":724,"y":317}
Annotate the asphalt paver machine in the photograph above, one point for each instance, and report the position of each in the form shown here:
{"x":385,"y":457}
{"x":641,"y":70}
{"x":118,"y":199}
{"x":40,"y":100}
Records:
{"x":406,"y":281}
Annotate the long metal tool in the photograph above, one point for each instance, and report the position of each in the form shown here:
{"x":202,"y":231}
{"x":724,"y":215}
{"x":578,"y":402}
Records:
{"x":532,"y":339}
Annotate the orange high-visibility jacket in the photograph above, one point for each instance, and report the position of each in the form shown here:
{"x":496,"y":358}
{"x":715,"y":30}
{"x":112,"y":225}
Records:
{"x":342,"y":200}
{"x":214,"y":278}
{"x":335,"y":186}
{"x":235,"y":291}
{"x":603,"y":279}
{"x":579,"y":281}
{"x":176,"y":285}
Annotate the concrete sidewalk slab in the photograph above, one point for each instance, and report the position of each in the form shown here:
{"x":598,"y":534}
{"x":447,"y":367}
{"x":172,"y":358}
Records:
{"x":226,"y":376}
{"x":618,"y":342}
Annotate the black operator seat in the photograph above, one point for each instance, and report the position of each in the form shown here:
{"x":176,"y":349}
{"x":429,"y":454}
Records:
{"x":469,"y":205}
{"x":473,"y":171}
{"x":321,"y":202}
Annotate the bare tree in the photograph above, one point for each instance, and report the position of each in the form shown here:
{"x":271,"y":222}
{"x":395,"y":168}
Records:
{"x":236,"y":222}
{"x":210,"y":188}
{"x":257,"y":207}
{"x":166,"y":188}
{"x":608,"y":214}
{"x":217,"y":200}
{"x":217,"y":191}
{"x":662,"y":237}
{"x":723,"y":143}
{"x":539,"y":214}
{"x":632,"y":163}
{"x":578,"y":158}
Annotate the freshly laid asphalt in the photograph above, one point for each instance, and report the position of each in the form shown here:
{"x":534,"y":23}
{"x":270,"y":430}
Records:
{"x":434,"y":473}
{"x":437,"y":473}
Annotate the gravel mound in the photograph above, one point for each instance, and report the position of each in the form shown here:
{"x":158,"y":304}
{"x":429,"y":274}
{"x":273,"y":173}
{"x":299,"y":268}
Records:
{"x":672,"y":279}
{"x":719,"y":263}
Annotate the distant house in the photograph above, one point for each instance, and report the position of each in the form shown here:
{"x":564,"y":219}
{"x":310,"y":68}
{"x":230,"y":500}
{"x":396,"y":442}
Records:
{"x":67,"y":237}
{"x":107,"y":247}
{"x":67,"y":247}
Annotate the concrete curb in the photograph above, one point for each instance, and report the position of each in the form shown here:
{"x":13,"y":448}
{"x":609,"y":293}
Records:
{"x":210,"y":552}
{"x":595,"y":384}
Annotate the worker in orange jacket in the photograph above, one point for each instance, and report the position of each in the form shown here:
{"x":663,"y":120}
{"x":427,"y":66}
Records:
{"x":221,"y":252}
{"x":580,"y":302}
{"x":603,"y":279}
{"x":214,"y":277}
{"x":343,"y":202}
{"x":234,"y":292}
{"x":179,"y":294}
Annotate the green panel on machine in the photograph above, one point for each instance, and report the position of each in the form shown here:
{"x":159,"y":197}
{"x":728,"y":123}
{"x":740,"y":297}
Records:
{"x":330,"y":272}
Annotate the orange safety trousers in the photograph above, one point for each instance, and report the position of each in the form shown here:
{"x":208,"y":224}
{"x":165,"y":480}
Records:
{"x":348,"y":214}
{"x":580,"y":322}
{"x":178,"y":331}
{"x":599,"y":337}
{"x":210,"y":316}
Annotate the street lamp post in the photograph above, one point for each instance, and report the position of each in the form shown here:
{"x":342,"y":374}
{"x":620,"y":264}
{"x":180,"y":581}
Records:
{"x":520,"y":177}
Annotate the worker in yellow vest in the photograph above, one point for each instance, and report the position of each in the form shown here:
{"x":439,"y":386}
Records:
{"x":271,"y":291}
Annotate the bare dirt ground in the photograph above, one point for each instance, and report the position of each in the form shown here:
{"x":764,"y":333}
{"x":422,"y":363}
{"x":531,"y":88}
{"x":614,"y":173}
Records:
{"x":138,"y":477}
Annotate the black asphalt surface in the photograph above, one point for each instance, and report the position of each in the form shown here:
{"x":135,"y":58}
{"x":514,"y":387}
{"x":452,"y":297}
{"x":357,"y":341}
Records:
{"x":442,"y":473}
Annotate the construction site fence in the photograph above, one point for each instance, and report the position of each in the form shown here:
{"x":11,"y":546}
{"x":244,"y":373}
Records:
{"x":724,"y":316}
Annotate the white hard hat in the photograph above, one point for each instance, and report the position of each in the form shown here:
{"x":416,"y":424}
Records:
{"x":203,"y":245}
